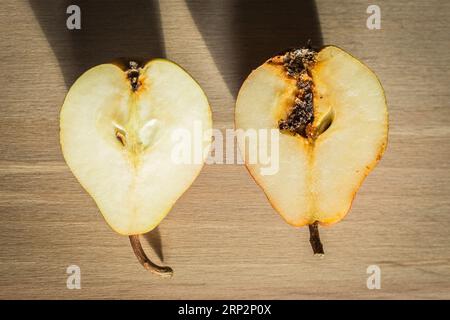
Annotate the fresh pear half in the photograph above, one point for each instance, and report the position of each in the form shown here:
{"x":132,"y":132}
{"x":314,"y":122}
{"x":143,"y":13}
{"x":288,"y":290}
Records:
{"x":331,"y":113}
{"x":118,"y":131}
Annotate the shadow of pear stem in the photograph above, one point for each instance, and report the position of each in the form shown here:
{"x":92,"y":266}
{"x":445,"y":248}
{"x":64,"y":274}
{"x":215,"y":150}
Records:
{"x":165,"y":272}
{"x":314,"y":239}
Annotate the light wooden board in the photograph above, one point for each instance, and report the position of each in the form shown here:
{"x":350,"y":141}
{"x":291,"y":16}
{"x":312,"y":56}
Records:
{"x":222,"y":238}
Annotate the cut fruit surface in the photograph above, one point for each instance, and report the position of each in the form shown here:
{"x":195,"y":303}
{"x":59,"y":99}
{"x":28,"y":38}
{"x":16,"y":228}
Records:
{"x":323,"y":156}
{"x":117,"y":138}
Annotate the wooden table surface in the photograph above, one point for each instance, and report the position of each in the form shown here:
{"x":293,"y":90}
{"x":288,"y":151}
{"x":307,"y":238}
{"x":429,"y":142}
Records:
{"x":222,"y":238}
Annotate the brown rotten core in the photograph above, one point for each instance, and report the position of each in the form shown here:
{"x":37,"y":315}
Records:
{"x":297,"y":63}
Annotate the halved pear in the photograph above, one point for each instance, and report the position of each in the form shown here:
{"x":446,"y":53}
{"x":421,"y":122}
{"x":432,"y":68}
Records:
{"x":333,"y":120}
{"x":118,"y":133}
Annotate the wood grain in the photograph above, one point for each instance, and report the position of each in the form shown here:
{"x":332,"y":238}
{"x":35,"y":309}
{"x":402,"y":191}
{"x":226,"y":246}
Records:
{"x":222,"y":238}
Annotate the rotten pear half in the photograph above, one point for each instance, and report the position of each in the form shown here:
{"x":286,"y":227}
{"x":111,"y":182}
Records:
{"x":116,"y":133}
{"x":332,"y":117}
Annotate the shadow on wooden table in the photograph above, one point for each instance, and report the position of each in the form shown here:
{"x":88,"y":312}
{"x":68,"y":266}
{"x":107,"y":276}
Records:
{"x":132,"y":29}
{"x":258,"y":30}
{"x":110,"y":29}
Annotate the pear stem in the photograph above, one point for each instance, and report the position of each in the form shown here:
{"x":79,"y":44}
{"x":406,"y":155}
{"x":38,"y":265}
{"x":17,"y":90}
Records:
{"x":314,"y":239}
{"x":165,"y":272}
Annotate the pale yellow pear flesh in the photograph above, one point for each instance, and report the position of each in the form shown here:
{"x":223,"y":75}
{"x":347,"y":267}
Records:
{"x":119,"y":142}
{"x":317,"y":180}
